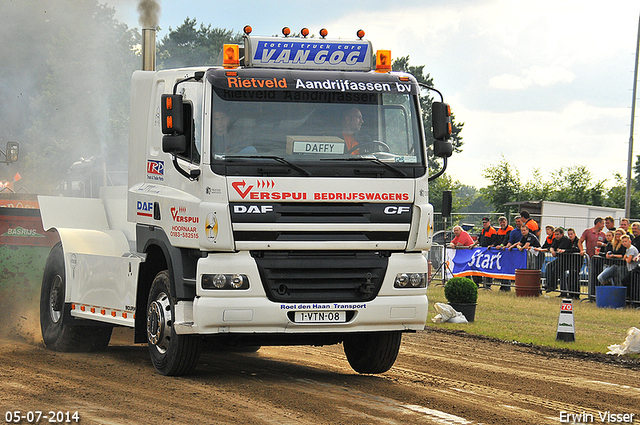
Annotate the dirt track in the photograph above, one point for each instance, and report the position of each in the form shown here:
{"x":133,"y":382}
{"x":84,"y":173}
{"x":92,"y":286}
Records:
{"x":439,"y":378}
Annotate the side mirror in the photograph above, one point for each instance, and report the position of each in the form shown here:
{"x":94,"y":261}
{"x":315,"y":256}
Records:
{"x":174,"y":144}
{"x":441,"y":148}
{"x":442,"y":129}
{"x":441,"y":119}
{"x":172,"y":114}
{"x":174,"y":140}
{"x":12,"y":152}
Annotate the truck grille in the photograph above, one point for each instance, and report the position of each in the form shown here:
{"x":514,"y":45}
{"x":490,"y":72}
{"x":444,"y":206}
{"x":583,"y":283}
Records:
{"x":313,"y":276}
{"x":323,"y":226}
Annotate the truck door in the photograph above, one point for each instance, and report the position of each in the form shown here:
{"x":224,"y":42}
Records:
{"x":180,"y":204}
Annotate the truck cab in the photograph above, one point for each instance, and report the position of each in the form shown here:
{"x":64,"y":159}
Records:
{"x":281,"y":199}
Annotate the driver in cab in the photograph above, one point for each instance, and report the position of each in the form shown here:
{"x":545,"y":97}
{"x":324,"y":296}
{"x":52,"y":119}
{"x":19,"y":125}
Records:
{"x":351,"y":123}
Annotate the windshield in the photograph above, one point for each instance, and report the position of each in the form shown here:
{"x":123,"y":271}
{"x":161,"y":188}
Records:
{"x":302,"y":120}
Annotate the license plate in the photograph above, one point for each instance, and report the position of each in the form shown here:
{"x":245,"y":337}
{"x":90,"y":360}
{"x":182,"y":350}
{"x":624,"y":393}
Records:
{"x":321,"y":316}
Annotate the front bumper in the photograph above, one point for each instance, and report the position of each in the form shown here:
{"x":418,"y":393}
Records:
{"x":250,"y":310}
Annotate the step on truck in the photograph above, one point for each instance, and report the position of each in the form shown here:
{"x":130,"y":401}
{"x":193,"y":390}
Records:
{"x":280,"y":198}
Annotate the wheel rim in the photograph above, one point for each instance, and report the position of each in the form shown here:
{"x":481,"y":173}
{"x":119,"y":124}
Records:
{"x":159,"y":321}
{"x":56,"y":299}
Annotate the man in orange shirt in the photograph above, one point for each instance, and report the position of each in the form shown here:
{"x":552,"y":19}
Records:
{"x":503,"y":232}
{"x":351,"y":124}
{"x":488,"y":237}
{"x":533,"y":225}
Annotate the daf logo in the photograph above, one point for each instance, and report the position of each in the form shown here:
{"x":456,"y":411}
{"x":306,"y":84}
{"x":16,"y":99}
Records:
{"x":252,"y":209}
{"x":392,"y":210}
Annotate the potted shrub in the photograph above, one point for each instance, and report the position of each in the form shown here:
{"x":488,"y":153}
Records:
{"x":462,"y":294}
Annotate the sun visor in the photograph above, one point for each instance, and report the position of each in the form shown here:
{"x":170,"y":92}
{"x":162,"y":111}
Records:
{"x":278,"y":84}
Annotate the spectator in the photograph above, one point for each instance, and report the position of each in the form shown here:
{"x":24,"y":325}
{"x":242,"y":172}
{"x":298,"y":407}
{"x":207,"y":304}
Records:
{"x":515,"y":235}
{"x":571,"y":234}
{"x":610,"y":223}
{"x":548,"y":241}
{"x":561,"y":243}
{"x":504,"y":231}
{"x":573,"y":263}
{"x":488,"y":235}
{"x":635,"y":230}
{"x":461,"y":239}
{"x":633,"y":261}
{"x":618,"y":250}
{"x":530,"y":223}
{"x":624,"y":223}
{"x":529,"y":240}
{"x":609,"y":246}
{"x":594,"y":236}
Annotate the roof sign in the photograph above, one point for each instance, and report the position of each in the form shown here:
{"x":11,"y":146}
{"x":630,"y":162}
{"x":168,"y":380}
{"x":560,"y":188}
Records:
{"x":267,"y":52}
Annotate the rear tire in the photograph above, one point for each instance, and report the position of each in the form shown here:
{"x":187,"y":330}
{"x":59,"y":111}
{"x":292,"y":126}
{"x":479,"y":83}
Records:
{"x":171,"y":354}
{"x":58,"y":331}
{"x":372,"y":352}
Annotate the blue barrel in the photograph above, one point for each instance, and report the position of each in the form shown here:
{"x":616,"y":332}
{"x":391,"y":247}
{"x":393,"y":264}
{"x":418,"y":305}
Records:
{"x":611,"y":296}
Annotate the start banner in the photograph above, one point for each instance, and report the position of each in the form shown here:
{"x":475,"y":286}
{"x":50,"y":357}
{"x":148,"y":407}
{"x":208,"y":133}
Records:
{"x":489,"y":262}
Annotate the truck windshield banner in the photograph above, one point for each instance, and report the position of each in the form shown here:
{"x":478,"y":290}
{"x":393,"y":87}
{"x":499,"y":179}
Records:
{"x":308,"y":54}
{"x":496,"y":263}
{"x":266,"y":190}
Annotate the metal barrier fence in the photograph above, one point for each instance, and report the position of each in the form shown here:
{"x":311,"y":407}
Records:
{"x":577,"y":222}
{"x":569,"y":274}
{"x":598,"y":264}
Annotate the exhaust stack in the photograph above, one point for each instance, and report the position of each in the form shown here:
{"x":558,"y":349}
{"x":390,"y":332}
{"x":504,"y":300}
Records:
{"x":148,"y":49}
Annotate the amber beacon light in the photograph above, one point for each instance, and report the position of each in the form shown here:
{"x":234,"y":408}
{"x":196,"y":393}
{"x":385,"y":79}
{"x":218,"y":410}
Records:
{"x":231,"y":56}
{"x":383,"y":61}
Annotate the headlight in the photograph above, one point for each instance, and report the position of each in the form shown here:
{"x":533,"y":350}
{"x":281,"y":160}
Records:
{"x":225,"y":281}
{"x":410,"y":280}
{"x":417,"y":279}
{"x":237,"y":280}
{"x":402,"y":280}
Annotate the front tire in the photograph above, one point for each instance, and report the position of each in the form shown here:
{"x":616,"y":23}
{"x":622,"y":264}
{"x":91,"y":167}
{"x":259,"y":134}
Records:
{"x":171,"y":354}
{"x":58,"y":331}
{"x":372,"y":352}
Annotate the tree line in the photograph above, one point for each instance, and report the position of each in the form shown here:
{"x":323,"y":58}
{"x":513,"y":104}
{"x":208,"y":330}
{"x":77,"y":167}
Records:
{"x":574,"y":185}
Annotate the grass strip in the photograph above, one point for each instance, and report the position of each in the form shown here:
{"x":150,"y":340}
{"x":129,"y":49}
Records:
{"x":534,"y":320}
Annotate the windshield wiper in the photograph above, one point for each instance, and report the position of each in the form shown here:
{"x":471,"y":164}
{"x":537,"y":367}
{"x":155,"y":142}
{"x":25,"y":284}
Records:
{"x":371,"y":158}
{"x":277,"y":159}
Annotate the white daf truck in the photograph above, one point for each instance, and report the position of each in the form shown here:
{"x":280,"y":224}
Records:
{"x":279,"y":199}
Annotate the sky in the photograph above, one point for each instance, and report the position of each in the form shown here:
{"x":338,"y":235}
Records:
{"x":544,"y":84}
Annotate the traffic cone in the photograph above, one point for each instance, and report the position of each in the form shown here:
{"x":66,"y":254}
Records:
{"x":566,"y":329}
